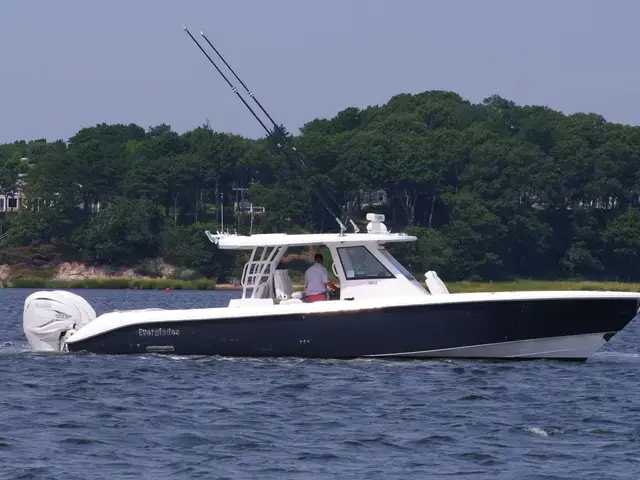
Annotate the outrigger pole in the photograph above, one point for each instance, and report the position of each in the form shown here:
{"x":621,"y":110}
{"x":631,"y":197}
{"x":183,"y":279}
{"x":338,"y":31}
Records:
{"x":269,"y":132}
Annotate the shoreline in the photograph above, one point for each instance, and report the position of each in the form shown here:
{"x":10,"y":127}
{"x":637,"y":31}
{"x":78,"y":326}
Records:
{"x":123,"y":283}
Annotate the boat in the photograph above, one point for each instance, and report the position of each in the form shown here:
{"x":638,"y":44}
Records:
{"x":380,"y":311}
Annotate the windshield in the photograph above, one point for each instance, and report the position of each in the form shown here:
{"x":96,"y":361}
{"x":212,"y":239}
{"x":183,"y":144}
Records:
{"x":359,"y":263}
{"x":396,"y":263}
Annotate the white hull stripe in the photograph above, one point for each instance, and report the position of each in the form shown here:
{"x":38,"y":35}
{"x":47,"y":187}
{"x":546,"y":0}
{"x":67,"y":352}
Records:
{"x":574,"y":346}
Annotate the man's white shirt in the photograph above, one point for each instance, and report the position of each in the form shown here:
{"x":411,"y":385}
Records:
{"x":315,"y":278}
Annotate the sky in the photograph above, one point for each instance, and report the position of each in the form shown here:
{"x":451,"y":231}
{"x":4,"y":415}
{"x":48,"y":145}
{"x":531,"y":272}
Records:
{"x":71,"y":64}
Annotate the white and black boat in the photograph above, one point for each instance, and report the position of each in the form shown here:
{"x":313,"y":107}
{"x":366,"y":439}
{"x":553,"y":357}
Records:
{"x":381,"y":311}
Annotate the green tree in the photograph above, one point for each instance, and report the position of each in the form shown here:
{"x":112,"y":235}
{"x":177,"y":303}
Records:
{"x":124,"y":233}
{"x":622,"y":245}
{"x":188,"y":247}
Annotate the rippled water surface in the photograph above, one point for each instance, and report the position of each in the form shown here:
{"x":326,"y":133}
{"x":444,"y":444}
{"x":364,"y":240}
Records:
{"x":156,"y":417}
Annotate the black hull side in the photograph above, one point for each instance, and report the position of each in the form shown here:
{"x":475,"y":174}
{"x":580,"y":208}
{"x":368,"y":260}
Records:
{"x":388,"y":331}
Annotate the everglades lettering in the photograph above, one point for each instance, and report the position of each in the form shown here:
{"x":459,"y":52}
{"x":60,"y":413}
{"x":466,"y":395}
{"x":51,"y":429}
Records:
{"x":158,"y":332}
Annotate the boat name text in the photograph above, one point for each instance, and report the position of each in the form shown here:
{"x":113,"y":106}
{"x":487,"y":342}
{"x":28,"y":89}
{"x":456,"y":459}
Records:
{"x":158,"y":332}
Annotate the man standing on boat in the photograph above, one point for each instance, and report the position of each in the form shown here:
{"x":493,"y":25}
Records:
{"x":316,"y":280}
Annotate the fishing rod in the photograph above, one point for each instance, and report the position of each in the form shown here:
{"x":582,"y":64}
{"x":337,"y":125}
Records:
{"x":269,"y":132}
{"x":276,"y":127}
{"x":234,"y":89}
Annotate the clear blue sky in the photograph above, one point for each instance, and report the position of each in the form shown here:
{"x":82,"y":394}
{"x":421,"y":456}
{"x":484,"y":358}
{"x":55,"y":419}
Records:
{"x":67,"y":64}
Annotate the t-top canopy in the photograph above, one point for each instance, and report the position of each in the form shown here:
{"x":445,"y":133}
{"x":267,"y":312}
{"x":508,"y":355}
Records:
{"x":376,"y":232}
{"x":249,"y":242}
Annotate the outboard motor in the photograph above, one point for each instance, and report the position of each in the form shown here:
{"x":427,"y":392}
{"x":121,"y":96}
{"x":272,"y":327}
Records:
{"x":50,"y":317}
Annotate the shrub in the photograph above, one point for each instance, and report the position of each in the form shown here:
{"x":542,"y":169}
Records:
{"x":180,"y":273}
{"x":149,"y":268}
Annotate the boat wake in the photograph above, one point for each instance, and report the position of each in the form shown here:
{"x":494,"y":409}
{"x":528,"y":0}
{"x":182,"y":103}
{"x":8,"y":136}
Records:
{"x":14,"y":348}
{"x":615,"y":357}
{"x":543,"y":431}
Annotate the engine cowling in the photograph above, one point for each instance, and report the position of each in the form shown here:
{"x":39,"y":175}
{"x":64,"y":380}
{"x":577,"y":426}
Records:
{"x":50,"y":317}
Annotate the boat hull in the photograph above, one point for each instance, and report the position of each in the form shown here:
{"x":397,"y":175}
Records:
{"x":533,"y":328}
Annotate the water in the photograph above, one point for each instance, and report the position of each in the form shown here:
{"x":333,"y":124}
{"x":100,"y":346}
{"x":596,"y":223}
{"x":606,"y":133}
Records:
{"x":157,"y":417}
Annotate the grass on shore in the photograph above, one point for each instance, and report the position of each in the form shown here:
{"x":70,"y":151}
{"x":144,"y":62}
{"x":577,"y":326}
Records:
{"x":526,"y":285}
{"x":114,"y":283}
{"x":205,"y":284}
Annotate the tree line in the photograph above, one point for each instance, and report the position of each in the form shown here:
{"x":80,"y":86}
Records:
{"x":493,"y":190}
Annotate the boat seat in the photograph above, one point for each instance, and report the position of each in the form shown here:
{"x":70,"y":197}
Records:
{"x":434,"y":284}
{"x":262,"y":291}
{"x":284,"y":288}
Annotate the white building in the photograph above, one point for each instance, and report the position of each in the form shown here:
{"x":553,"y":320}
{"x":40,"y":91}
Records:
{"x":13,"y":203}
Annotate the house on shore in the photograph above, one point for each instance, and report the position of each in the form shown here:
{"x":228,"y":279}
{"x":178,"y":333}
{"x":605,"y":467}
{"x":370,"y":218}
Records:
{"x":13,"y":202}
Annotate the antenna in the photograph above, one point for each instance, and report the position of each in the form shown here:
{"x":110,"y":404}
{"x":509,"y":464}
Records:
{"x":269,"y":132}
